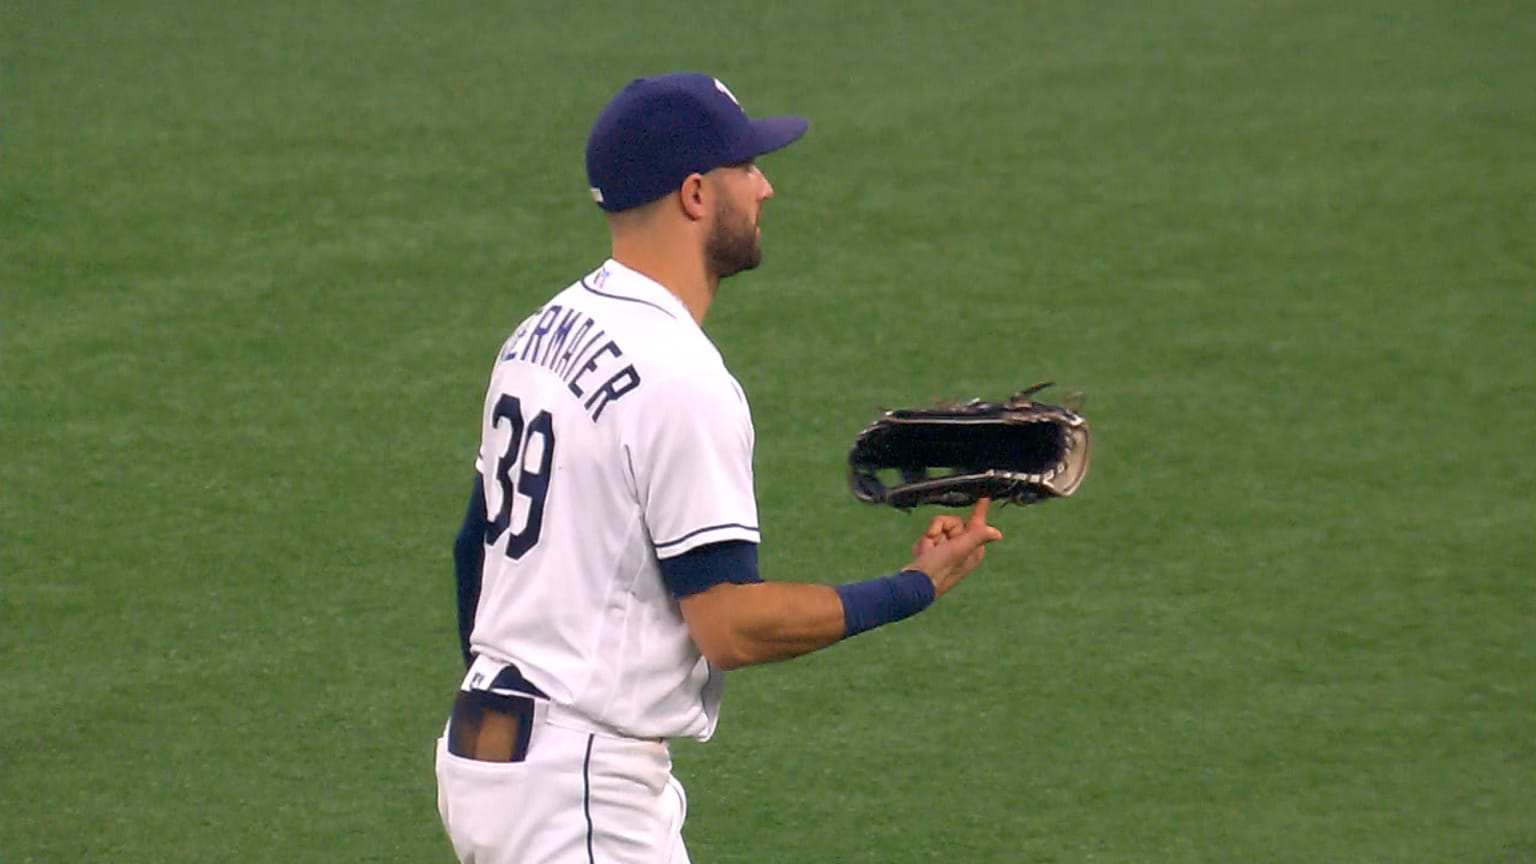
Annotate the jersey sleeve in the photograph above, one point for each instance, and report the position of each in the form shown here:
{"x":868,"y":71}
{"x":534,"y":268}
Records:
{"x":703,"y":567}
{"x":690,"y":453}
{"x":468,"y":562}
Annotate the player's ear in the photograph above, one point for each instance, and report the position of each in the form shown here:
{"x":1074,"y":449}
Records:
{"x":692,"y":195}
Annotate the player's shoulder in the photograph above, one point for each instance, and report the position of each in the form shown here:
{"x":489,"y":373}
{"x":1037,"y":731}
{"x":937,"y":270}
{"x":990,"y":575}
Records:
{"x":630,"y":294}
{"x":613,"y":304}
{"x":615,"y":333}
{"x":649,"y":318}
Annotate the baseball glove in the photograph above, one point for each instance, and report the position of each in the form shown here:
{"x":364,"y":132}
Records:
{"x":1019,"y":451}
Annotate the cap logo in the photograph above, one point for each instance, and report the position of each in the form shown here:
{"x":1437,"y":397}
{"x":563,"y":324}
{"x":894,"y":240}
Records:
{"x":720,"y":85}
{"x":597,"y":194}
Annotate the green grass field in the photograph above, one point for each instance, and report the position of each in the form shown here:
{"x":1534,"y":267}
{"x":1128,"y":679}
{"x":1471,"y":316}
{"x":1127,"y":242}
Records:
{"x":257,"y":258}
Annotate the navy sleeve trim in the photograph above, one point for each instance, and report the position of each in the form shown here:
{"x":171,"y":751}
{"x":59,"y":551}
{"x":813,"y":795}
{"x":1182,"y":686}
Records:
{"x":468,"y":559}
{"x":733,"y":561}
{"x":696,"y":532}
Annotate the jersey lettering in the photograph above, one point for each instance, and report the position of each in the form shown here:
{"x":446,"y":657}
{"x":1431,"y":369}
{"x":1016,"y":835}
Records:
{"x":536,"y":338}
{"x":564,"y":361}
{"x":622,"y":382}
{"x":555,"y":341}
{"x":574,"y":382}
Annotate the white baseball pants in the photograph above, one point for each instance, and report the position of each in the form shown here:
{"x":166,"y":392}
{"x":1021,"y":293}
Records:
{"x":578,"y":798}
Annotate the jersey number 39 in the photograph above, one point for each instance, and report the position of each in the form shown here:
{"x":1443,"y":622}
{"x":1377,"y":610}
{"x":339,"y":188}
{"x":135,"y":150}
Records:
{"x":526,"y":441}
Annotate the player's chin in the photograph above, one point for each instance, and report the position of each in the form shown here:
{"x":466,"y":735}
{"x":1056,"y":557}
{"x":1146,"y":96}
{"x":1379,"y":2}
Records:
{"x":729,"y":254}
{"x":751,"y":255}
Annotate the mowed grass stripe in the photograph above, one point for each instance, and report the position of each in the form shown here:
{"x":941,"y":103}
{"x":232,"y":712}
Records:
{"x":259,"y":256}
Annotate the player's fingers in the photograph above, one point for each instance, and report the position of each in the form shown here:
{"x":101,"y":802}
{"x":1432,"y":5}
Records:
{"x":938,"y":529}
{"x":935,"y":528}
{"x":944,"y":528}
{"x":978,"y":522}
{"x":979,"y":512}
{"x":961,"y":548}
{"x":959,"y":537}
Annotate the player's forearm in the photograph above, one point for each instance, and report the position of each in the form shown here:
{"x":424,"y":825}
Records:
{"x":741,"y":624}
{"x":763,"y":622}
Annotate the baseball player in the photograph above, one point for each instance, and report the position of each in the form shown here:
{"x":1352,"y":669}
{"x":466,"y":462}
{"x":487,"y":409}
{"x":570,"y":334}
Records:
{"x":608,"y":569}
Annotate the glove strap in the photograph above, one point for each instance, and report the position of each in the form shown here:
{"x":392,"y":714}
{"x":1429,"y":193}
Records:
{"x":875,"y":602}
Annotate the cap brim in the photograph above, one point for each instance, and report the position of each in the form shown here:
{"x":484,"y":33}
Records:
{"x":774,"y":133}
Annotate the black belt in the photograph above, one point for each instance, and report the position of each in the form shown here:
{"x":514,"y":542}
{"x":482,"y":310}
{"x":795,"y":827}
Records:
{"x":510,"y":679}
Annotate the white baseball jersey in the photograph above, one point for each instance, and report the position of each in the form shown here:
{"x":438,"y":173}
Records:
{"x":613,"y":436}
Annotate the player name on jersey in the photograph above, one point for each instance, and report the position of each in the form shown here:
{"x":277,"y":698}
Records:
{"x":569,"y":343}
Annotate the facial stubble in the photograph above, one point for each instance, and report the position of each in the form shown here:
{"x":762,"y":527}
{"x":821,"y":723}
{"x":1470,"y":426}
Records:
{"x":733,"y":244}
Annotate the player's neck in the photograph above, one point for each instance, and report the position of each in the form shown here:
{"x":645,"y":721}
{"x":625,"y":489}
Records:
{"x":681,"y":273}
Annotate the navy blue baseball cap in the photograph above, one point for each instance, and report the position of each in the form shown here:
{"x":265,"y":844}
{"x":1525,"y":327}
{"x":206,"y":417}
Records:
{"x":659,"y":130}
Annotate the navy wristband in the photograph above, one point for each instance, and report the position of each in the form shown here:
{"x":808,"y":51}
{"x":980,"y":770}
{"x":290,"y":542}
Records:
{"x":872,"y":603}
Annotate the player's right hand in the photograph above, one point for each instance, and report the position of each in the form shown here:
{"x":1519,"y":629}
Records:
{"x":951,"y":548}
